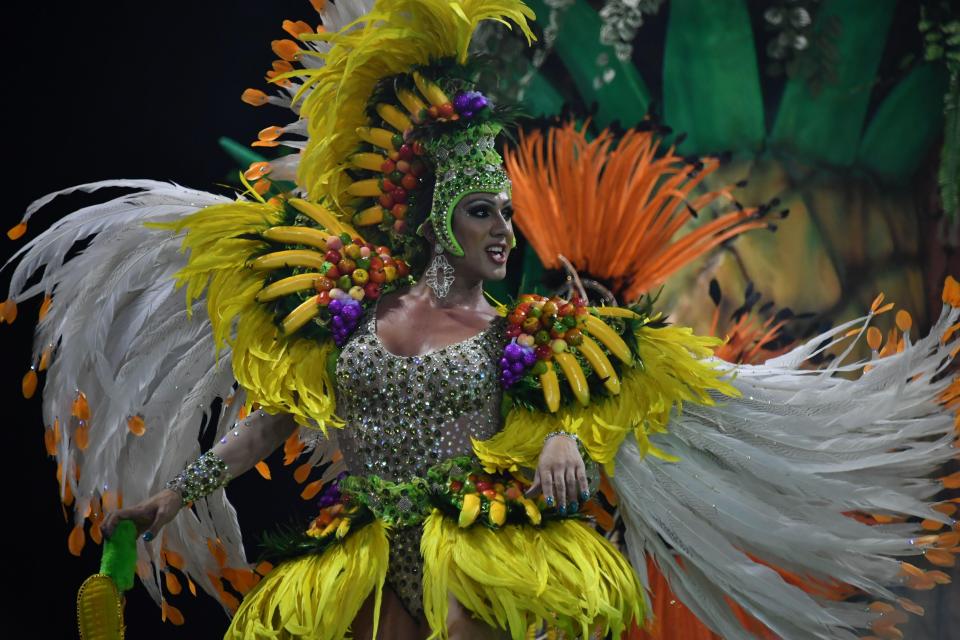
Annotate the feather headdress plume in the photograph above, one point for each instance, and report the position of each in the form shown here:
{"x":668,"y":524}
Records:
{"x":397,"y":36}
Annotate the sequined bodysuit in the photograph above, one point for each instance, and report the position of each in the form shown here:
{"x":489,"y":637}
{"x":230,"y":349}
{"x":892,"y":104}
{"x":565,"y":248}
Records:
{"x":405,"y":414}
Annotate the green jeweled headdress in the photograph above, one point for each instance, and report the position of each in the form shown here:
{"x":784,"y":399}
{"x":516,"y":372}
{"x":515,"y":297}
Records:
{"x":465,"y":161}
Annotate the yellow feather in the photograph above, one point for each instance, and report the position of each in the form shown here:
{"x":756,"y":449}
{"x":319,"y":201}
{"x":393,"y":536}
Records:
{"x":282,"y":375}
{"x":394,"y":37}
{"x":520,"y":575}
{"x":673,"y":368}
{"x":317,"y":596}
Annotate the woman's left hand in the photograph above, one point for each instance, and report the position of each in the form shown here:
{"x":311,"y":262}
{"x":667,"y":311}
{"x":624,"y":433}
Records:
{"x":561,"y":475}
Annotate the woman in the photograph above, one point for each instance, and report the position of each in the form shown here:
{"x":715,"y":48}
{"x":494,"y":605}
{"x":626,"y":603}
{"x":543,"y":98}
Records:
{"x":483,"y":227}
{"x":304,"y":299}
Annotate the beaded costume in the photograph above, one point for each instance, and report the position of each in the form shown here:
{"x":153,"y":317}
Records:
{"x":727,"y":475}
{"x":409,"y":413}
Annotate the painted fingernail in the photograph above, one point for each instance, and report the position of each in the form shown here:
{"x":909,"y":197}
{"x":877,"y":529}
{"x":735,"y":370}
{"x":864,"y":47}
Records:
{"x":574,"y":506}
{"x":562,"y":510}
{"x":148,"y":536}
{"x":584,"y":496}
{"x":550,"y":501}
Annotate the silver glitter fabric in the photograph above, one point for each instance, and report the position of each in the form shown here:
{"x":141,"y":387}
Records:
{"x":201,"y":478}
{"x":405,"y":414}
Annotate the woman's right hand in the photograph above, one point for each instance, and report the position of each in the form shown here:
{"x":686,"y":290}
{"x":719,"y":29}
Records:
{"x":148,"y":516}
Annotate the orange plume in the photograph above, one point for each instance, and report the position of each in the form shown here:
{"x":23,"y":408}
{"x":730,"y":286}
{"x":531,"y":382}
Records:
{"x":614,"y":207}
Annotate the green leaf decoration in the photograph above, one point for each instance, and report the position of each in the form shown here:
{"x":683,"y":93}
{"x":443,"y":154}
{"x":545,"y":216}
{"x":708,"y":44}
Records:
{"x":540,"y":98}
{"x":625,"y":97}
{"x":826,"y":125}
{"x":711,"y":83}
{"x":908,"y":122}
{"x":949,"y":174}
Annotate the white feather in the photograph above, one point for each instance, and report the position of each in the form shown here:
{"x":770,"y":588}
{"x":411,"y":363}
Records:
{"x":772,"y":473}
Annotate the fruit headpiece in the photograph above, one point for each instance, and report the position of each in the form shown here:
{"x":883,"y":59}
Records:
{"x":398,"y":133}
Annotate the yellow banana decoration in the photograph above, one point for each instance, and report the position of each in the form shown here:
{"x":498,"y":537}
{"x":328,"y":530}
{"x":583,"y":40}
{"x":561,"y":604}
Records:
{"x":378,"y":137}
{"x":617,"y":312}
{"x":533,"y":513}
{"x":298,"y":235}
{"x":287,"y":285}
{"x":322,"y":216}
{"x":396,"y":118}
{"x":365,"y":188}
{"x":305,"y":311}
{"x":289,"y":258}
{"x":498,"y":511}
{"x":470,"y":510}
{"x":551,"y":388}
{"x":605,"y":334}
{"x":574,"y":375}
{"x":411,"y":102}
{"x":430,"y":91}
{"x":330,"y":528}
{"x":368,"y":161}
{"x":600,"y":363}
{"x":370,"y":215}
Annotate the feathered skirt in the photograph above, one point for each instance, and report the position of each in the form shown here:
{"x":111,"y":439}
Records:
{"x":506,"y":562}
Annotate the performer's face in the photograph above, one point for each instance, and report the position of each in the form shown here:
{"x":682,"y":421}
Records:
{"x":482,"y":224}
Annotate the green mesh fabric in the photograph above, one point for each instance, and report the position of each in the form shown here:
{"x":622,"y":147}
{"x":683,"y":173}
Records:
{"x":465,"y":161}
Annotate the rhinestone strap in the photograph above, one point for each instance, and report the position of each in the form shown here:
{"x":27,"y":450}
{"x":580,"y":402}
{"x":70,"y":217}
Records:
{"x":201,"y":478}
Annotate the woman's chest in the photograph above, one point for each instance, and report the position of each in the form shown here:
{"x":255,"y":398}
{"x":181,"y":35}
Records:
{"x":405,"y":413}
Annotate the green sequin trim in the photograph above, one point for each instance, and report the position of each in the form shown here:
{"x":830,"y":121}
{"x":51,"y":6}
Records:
{"x":465,"y":161}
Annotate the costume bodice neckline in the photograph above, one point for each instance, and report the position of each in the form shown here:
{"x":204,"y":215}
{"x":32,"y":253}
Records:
{"x":372,"y":330}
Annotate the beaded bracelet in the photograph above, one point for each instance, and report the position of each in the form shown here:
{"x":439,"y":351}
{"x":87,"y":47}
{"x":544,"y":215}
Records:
{"x":574,"y":436}
{"x":201,"y":478}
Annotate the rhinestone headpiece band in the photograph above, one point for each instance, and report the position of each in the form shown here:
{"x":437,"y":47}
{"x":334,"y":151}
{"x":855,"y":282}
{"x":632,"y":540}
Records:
{"x":465,"y":161}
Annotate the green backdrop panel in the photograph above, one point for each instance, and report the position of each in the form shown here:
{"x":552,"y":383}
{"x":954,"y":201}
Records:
{"x":625,"y":97}
{"x":907,"y":124}
{"x":711,"y":84}
{"x":827,"y":126}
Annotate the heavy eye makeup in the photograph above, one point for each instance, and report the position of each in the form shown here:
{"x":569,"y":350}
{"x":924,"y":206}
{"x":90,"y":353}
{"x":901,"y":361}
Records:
{"x":483,"y":209}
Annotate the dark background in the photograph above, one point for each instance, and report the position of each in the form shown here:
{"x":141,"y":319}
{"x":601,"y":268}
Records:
{"x":115,"y":90}
{"x":135,"y":90}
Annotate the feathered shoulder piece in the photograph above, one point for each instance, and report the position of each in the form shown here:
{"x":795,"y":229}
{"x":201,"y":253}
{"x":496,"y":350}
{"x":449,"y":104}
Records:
{"x":599,"y":372}
{"x":284,"y":287}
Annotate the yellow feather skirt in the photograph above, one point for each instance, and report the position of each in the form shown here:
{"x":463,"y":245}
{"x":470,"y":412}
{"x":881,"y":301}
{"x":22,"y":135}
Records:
{"x":317,"y":596}
{"x":563,"y":574}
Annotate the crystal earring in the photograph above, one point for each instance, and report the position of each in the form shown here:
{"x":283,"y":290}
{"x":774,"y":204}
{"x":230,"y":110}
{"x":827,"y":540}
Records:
{"x":439,"y":275}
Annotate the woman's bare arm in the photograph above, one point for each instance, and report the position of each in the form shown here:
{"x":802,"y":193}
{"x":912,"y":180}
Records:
{"x":251,"y":440}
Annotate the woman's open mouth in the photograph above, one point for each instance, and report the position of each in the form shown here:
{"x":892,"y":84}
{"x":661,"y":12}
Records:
{"x":498,"y":253}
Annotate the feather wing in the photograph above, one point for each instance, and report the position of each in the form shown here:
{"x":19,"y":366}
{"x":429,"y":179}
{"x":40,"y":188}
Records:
{"x":765,"y":480}
{"x":118,"y":333}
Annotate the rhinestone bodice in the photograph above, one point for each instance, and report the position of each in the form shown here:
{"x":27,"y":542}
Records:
{"x":405,"y":414}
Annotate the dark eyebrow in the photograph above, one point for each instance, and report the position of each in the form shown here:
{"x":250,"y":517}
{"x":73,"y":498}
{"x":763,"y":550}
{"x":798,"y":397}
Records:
{"x":481,"y":199}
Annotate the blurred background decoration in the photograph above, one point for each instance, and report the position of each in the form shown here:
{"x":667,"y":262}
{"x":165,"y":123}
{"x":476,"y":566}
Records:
{"x":832,"y":123}
{"x":835,"y":123}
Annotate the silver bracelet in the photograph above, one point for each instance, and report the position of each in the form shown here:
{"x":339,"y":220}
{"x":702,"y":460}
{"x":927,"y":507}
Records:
{"x":574,"y":436}
{"x":201,"y":478}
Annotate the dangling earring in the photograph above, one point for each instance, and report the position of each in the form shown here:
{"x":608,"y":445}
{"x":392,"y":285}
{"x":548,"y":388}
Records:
{"x":439,"y":275}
